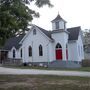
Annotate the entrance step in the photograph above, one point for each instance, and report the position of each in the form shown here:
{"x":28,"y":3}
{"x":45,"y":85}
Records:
{"x":64,"y":64}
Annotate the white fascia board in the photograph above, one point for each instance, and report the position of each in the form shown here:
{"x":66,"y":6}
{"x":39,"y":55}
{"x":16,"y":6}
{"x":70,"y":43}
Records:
{"x":43,"y":34}
{"x":25,"y":35}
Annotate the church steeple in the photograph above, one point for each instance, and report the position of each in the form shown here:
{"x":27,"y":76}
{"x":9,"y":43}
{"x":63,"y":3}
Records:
{"x":58,"y":23}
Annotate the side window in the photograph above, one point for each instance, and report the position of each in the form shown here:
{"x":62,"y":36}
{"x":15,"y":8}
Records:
{"x":21,"y":53}
{"x":30,"y":51}
{"x":14,"y":53}
{"x":40,"y":50}
{"x":34,"y":32}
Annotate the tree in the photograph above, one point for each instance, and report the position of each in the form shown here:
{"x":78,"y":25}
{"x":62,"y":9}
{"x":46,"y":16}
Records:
{"x":87,"y":37}
{"x":15,"y":15}
{"x":87,"y":40}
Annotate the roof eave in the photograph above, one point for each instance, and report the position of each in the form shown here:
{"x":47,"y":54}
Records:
{"x":72,"y":41}
{"x":57,"y":31}
{"x":58,"y":20}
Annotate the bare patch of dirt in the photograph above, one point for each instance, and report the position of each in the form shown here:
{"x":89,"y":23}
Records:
{"x":28,"y":82}
{"x":41,"y":82}
{"x":64,"y":82}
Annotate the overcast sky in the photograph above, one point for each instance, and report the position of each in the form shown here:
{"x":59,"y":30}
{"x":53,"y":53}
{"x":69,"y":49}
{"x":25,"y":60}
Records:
{"x":75,"y":12}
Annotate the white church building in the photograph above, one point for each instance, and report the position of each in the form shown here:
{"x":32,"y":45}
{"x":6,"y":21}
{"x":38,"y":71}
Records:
{"x":42,"y":46}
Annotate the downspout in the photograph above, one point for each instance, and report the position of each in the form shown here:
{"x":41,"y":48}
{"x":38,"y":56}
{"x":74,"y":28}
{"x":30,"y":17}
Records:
{"x":32,"y":52}
{"x":24,"y":55}
{"x":47,"y":53}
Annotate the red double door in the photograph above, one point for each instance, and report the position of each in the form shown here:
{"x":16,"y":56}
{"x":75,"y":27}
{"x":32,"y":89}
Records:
{"x":59,"y":54}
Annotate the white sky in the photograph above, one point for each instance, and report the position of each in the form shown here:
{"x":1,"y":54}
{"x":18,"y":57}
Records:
{"x":75,"y":12}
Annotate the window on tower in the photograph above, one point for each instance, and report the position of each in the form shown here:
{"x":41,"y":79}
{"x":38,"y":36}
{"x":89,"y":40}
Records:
{"x":57,"y":25}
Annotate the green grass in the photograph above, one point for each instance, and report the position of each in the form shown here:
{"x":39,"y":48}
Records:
{"x":44,"y":68}
{"x":43,"y":82}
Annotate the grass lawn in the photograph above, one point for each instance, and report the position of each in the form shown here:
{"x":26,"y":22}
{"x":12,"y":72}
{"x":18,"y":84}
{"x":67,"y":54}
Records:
{"x":87,"y":69}
{"x":42,"y":82}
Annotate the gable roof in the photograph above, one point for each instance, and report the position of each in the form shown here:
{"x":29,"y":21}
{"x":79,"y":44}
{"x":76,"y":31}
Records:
{"x":45,"y":32}
{"x":74,"y":33}
{"x":13,"y":42}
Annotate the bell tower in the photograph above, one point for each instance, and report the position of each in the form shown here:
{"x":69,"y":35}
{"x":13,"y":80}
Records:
{"x":60,"y":35}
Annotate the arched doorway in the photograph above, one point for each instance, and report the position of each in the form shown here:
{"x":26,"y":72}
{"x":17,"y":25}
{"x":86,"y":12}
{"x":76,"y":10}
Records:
{"x":58,"y":52}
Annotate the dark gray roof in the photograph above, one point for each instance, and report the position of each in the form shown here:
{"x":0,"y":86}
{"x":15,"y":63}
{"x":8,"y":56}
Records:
{"x":58,"y":18}
{"x":14,"y":41}
{"x":74,"y":33}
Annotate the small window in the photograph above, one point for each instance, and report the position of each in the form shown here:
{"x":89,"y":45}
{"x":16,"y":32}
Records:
{"x":40,"y":50}
{"x":34,"y":32}
{"x":21,"y":53}
{"x":30,"y":51}
{"x":58,"y":46}
{"x":14,"y":53}
{"x":57,"y":25}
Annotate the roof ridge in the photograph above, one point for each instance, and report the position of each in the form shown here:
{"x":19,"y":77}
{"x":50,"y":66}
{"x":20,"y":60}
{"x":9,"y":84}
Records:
{"x":74,"y":27}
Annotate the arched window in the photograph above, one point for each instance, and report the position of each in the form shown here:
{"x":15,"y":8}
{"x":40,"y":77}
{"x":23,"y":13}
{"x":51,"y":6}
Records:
{"x":34,"y":32}
{"x":58,"y":46}
{"x":14,"y":53}
{"x":40,"y":50}
{"x":21,"y":52}
{"x":30,"y":51}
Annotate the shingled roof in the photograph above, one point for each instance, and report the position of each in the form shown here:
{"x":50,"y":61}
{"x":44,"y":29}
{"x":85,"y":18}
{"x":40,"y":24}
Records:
{"x":74,"y":33}
{"x":14,"y":41}
{"x":58,"y":18}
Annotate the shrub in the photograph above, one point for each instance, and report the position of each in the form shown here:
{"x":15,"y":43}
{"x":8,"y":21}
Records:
{"x":86,"y":63}
{"x":25,"y":64}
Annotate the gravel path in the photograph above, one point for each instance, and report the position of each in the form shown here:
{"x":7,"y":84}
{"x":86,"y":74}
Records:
{"x":12,"y":71}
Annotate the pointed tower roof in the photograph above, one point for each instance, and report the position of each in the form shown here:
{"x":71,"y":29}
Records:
{"x":58,"y":18}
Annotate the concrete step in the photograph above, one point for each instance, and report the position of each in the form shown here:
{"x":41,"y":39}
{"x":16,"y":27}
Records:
{"x":64,"y":64}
